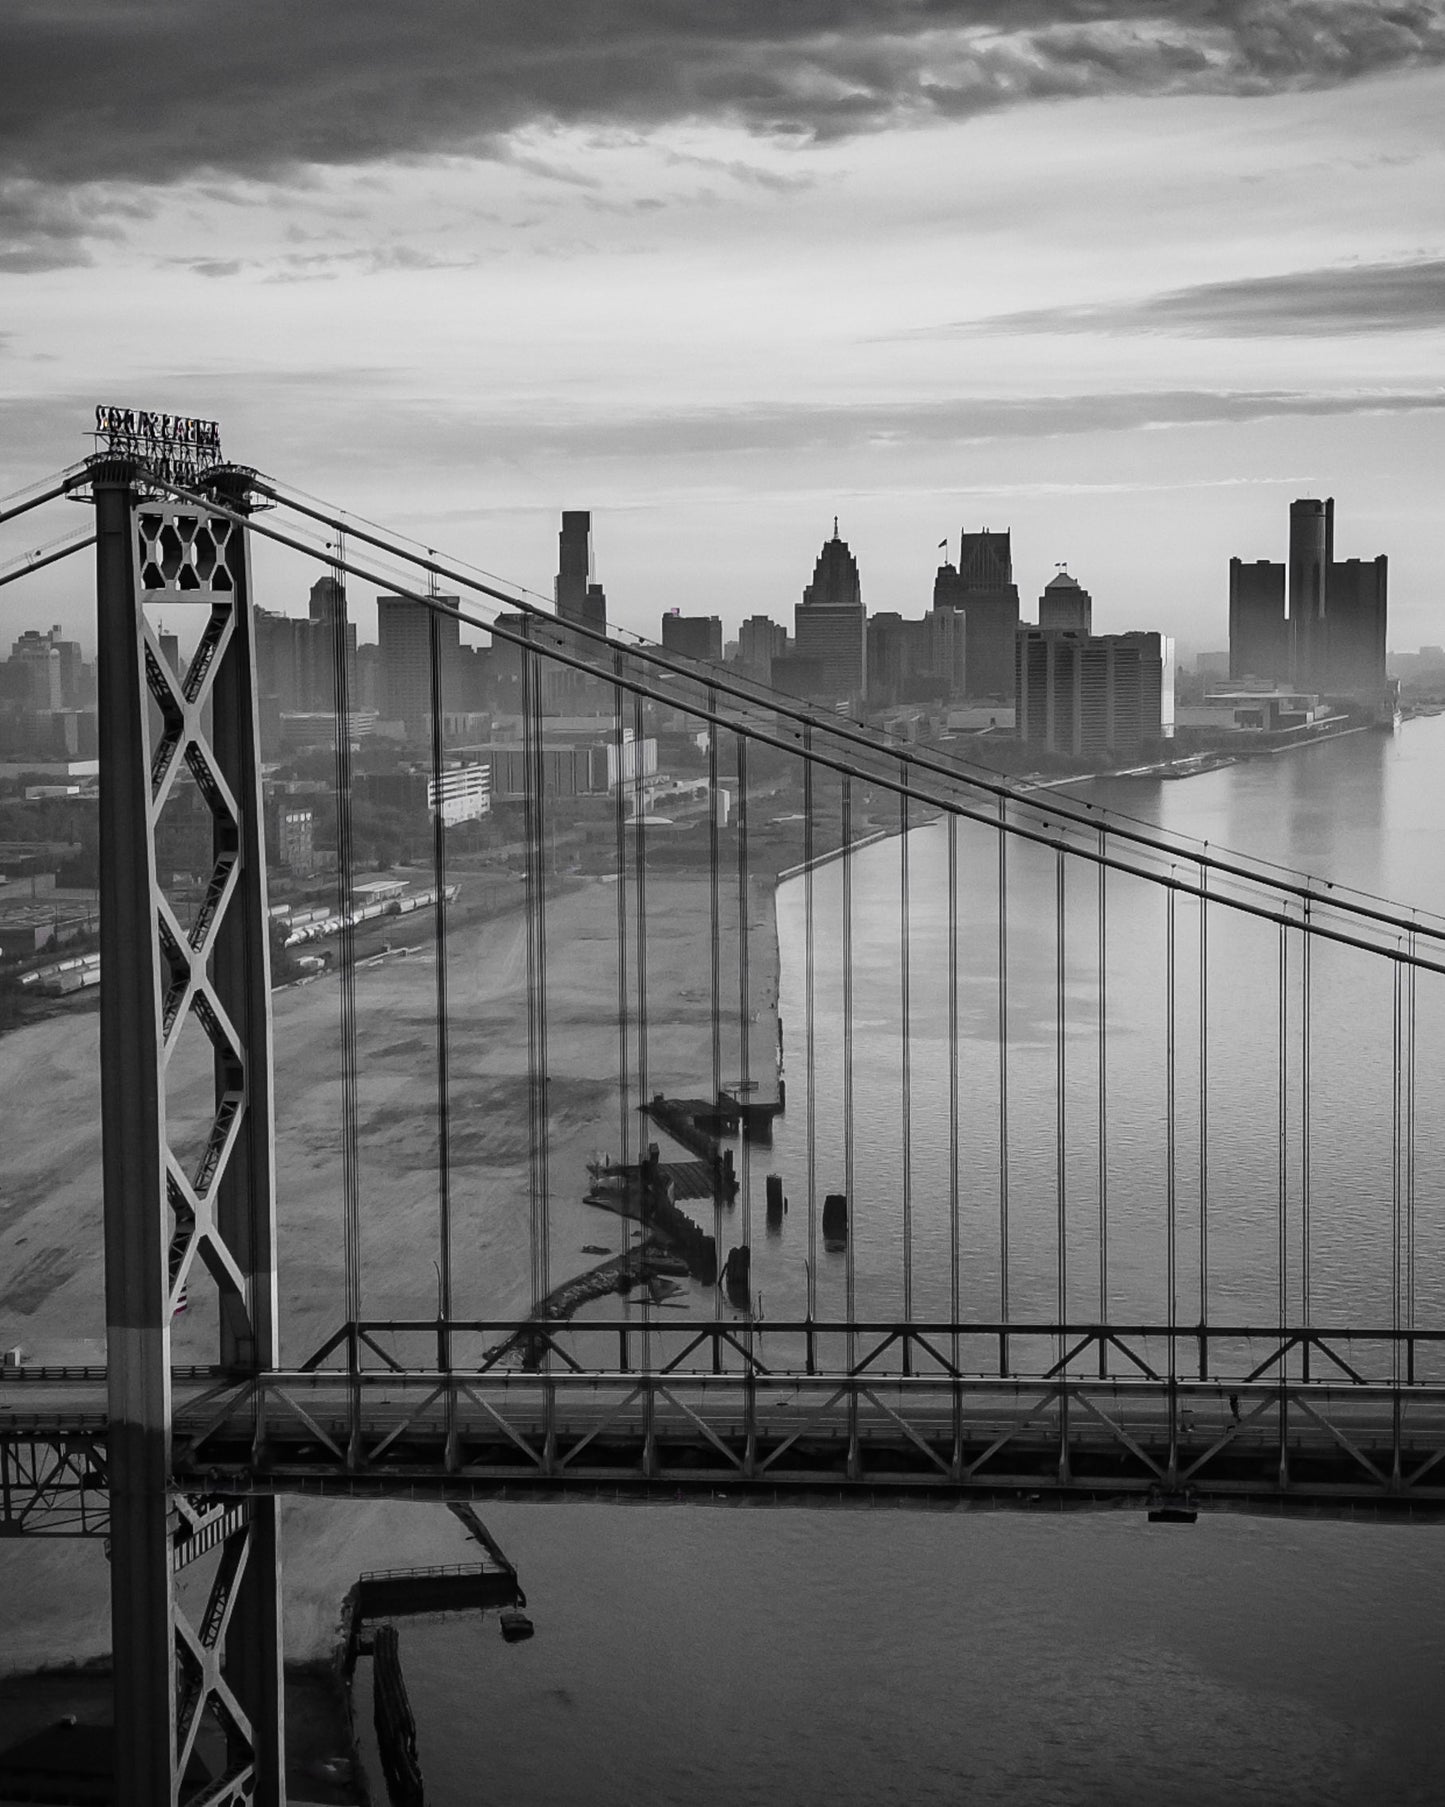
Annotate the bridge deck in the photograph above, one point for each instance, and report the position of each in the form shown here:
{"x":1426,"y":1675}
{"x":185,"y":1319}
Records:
{"x":1266,"y":1444}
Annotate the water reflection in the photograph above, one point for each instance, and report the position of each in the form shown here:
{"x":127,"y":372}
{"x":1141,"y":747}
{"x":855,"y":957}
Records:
{"x":1224,"y":1237}
{"x":905,"y":1657}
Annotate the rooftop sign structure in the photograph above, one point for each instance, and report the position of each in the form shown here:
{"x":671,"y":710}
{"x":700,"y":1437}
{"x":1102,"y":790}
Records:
{"x":175,"y":447}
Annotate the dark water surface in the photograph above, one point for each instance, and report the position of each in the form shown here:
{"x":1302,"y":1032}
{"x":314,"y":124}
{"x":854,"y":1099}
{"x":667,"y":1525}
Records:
{"x":746,"y":1655}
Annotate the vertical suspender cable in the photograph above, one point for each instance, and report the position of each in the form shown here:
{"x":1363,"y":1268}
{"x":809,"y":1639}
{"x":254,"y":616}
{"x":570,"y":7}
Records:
{"x":1003,"y":1227}
{"x":1410,"y":1138}
{"x":906,"y":1062}
{"x":544,"y":1101}
{"x":639,"y":810}
{"x":850,"y":1271}
{"x":1103,"y":1087}
{"x":1305,"y":951}
{"x":639,"y":848}
{"x":1397,"y":1162}
{"x":1061,"y":1152}
{"x":954,"y":1251}
{"x":529,"y":835}
{"x":1171,"y":1228}
{"x":744,"y":1006}
{"x":535,"y":828}
{"x":1203,"y":1095}
{"x":809,"y":1000}
{"x":1283,"y":1209}
{"x":346,"y":960}
{"x":619,"y":812}
{"x":439,"y":880}
{"x":714,"y":861}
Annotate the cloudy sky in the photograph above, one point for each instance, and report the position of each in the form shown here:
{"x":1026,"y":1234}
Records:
{"x":1124,"y":277}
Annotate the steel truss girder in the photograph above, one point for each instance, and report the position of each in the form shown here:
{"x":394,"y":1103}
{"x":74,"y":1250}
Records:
{"x":1223,"y":1352}
{"x":1313,"y":1441}
{"x":215,"y":1684}
{"x":53,"y":1486}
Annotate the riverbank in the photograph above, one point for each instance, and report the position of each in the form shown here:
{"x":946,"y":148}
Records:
{"x":51,"y":1247}
{"x":323,"y":1768}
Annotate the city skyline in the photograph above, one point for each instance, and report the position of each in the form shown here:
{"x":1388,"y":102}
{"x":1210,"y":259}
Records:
{"x":1121,"y":281}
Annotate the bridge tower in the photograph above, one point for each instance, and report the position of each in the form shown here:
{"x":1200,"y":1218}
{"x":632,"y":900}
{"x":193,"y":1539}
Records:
{"x":204,"y":1688}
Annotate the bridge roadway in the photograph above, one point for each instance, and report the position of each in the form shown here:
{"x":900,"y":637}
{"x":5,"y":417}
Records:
{"x":1319,"y":1445}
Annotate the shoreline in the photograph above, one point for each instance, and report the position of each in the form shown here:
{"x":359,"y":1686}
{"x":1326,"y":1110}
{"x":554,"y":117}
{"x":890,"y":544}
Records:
{"x":51,"y":1249}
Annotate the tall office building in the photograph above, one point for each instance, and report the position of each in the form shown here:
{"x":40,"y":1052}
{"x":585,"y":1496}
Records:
{"x":897,"y":659}
{"x":693,"y":636}
{"x":982,"y":586}
{"x":35,"y":657}
{"x":1259,"y":640}
{"x":916,"y":660}
{"x":1357,"y":622}
{"x":578,"y":598}
{"x":327,"y":600}
{"x":1311,"y":552}
{"x":296,"y":657}
{"x":1332,"y":640}
{"x":404,"y":655}
{"x":1089,"y":695}
{"x":1065,"y":603}
{"x":829,"y":624}
{"x":760,"y":641}
{"x":947,"y":654}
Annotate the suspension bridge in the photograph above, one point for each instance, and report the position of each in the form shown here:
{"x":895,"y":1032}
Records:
{"x":1076,"y":1162}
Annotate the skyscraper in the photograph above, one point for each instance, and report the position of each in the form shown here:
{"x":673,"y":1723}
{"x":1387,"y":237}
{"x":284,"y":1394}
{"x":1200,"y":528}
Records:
{"x":578,"y":598}
{"x":829,"y":623}
{"x":1356,"y":603}
{"x":328,"y":599}
{"x":1332,"y":641}
{"x":1311,"y":552}
{"x":760,"y":641}
{"x":404,"y":654}
{"x":982,"y":586}
{"x":1259,"y":640}
{"x":693,"y":636}
{"x":36,"y":657}
{"x":1065,"y":603}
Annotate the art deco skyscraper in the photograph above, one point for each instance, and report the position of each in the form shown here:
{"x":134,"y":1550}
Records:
{"x":1066,"y":603}
{"x":829,"y":623}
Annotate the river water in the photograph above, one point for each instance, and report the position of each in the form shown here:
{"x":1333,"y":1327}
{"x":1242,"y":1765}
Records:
{"x":890,"y":1656}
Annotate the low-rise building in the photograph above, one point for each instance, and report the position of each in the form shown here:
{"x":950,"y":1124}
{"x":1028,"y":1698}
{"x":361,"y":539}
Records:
{"x":462,"y":792}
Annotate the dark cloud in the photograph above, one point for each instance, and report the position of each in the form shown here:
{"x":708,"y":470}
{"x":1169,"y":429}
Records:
{"x":151,"y":90}
{"x":42,"y":228}
{"x":1365,"y":298}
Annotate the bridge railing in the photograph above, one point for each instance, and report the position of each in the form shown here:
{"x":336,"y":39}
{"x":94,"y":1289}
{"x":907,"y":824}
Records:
{"x":1234,"y":1353}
